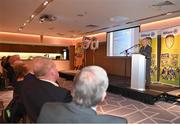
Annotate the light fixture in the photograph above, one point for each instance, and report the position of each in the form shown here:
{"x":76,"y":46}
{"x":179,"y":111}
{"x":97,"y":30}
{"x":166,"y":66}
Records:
{"x":45,"y":3}
{"x":47,"y":18}
{"x":20,"y":29}
{"x":32,"y":16}
{"x":35,"y":13}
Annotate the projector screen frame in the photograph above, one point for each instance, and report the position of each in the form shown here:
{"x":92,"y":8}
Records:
{"x":137,"y":26}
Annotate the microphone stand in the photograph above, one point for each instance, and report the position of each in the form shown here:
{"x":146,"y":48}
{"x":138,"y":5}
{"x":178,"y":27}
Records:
{"x":127,"y":53}
{"x":126,"y":50}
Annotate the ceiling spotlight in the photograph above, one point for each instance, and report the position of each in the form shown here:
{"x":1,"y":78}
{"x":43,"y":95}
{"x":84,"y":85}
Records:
{"x":46,"y":18}
{"x":32,"y":16}
{"x":45,"y":3}
{"x":41,"y":7}
{"x":92,"y":26}
{"x":80,"y":15}
{"x":20,"y":29}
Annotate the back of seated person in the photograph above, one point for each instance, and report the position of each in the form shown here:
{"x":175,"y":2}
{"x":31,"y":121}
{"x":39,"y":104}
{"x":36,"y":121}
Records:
{"x":20,"y":70}
{"x":11,"y":74}
{"x":9,"y":70}
{"x":42,"y":88}
{"x":16,"y":107}
{"x":90,"y":87}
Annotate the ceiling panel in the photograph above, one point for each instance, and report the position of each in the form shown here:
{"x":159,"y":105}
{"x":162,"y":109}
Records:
{"x":73,"y":16}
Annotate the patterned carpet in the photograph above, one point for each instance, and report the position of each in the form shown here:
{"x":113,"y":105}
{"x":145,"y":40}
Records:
{"x":134,"y":111}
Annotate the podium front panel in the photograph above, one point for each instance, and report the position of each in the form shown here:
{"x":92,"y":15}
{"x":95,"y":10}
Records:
{"x":138,"y":71}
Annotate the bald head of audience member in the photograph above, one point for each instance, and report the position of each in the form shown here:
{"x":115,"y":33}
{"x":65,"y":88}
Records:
{"x":44,"y":68}
{"x":90,"y":86}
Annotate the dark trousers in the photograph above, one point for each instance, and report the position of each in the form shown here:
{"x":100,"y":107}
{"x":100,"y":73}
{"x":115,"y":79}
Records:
{"x":148,"y":77}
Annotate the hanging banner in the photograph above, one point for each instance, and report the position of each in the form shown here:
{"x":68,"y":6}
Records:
{"x":81,"y":47}
{"x":79,"y":56}
{"x":152,"y":40}
{"x":170,"y":56}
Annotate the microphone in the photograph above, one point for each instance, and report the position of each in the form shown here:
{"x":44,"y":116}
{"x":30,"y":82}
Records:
{"x":137,"y":45}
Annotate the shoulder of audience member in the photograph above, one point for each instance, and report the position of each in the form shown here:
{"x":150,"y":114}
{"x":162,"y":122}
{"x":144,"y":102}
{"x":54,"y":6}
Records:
{"x":115,"y":119}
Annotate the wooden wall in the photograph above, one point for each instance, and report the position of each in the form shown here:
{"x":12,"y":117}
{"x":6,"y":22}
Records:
{"x":31,"y":48}
{"x":120,"y":66}
{"x":71,"y":56}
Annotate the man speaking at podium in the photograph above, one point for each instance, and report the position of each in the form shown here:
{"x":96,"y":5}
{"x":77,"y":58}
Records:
{"x":146,"y":51}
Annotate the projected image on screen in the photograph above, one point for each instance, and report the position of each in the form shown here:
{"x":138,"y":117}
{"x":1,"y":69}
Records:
{"x":119,"y":41}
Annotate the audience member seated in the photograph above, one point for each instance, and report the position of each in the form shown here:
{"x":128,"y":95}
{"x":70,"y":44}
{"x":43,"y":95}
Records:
{"x":20,"y":71}
{"x":8,"y":64}
{"x":15,"y":109}
{"x":89,"y":90}
{"x":8,"y":71}
{"x":41,"y":89}
{"x":30,"y":75}
{"x":4,"y":60}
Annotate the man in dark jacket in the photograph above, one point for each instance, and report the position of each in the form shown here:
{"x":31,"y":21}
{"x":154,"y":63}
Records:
{"x":146,"y":51}
{"x":41,"y":88}
{"x":89,"y":90}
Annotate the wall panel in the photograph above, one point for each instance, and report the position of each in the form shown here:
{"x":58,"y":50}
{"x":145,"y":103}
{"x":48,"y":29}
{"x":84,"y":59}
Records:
{"x":113,"y":65}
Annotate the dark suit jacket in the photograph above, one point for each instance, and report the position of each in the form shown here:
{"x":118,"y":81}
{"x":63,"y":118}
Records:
{"x":10,"y":74}
{"x":29,"y":77}
{"x":17,"y":88}
{"x":73,"y":113}
{"x":146,"y":51}
{"x":35,"y":93}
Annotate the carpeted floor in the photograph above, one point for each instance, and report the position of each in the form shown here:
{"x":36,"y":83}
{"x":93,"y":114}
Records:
{"x":134,"y":111}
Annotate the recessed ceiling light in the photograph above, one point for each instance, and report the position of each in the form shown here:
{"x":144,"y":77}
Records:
{"x":36,"y":12}
{"x":92,"y":26}
{"x":20,"y":29}
{"x":32,"y":16}
{"x":118,"y":18}
{"x":45,"y":3}
{"x":169,"y":13}
{"x":47,"y":18}
{"x":80,"y":15}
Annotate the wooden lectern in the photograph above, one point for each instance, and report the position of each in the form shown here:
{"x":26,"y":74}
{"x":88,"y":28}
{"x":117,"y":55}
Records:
{"x":138,"y":72}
